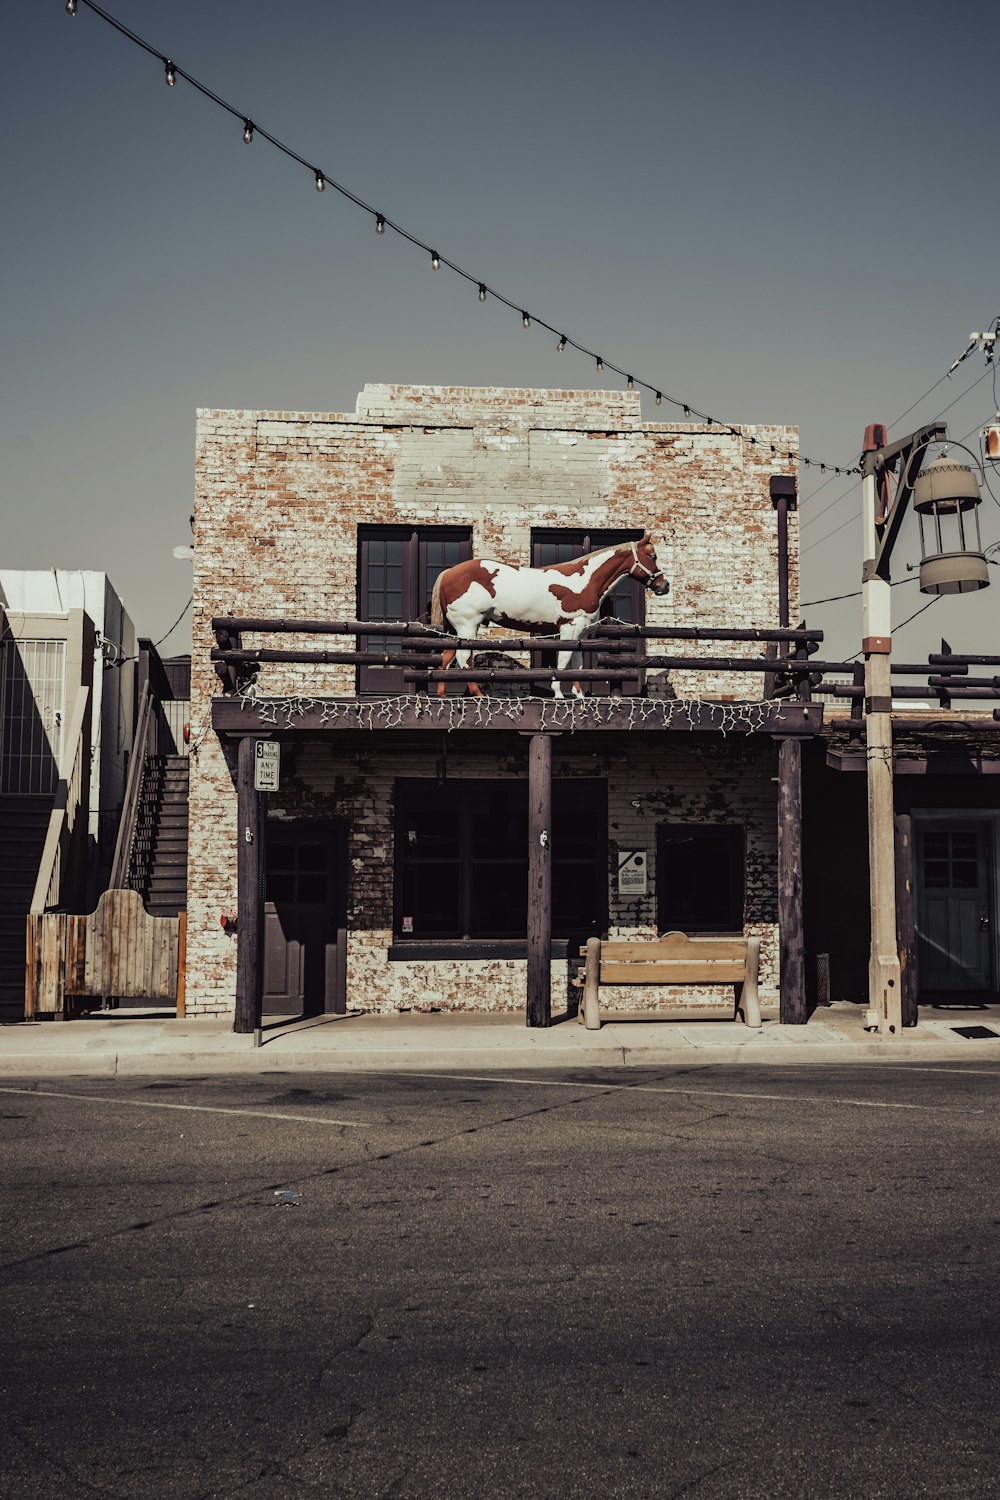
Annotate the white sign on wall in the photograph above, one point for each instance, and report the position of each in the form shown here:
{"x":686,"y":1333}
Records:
{"x":633,"y":865}
{"x":266,"y":765}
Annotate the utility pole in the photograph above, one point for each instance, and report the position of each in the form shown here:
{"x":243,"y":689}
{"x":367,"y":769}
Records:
{"x":884,"y":991}
{"x":882,"y":515}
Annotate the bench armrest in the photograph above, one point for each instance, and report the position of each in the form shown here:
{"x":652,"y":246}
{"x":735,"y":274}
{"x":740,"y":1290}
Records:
{"x":590,"y":1010}
{"x":749,"y":1000}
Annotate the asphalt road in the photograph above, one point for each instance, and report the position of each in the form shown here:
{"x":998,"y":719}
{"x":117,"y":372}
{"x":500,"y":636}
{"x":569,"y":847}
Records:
{"x":703,"y":1283}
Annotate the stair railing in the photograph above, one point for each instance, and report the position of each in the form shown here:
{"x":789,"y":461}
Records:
{"x":68,"y":807}
{"x":145,"y":744}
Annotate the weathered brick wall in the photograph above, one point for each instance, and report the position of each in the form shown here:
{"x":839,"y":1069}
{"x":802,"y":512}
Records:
{"x":279,"y":497}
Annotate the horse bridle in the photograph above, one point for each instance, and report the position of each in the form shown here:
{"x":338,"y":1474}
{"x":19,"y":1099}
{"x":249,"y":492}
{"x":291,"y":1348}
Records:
{"x":650,"y":575}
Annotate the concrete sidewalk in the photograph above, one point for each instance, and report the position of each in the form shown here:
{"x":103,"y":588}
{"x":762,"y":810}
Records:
{"x":135,"y":1042}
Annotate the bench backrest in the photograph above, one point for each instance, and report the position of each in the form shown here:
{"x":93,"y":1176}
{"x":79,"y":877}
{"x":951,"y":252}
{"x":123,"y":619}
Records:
{"x":674,"y":959}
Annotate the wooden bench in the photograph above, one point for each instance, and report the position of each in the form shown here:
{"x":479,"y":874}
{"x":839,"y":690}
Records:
{"x":673,"y":959}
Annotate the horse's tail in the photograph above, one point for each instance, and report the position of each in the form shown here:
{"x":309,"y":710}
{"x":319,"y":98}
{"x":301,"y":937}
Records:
{"x":437,"y":609}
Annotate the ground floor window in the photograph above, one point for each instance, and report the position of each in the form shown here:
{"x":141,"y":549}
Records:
{"x":462,"y":858}
{"x":699,"y":877}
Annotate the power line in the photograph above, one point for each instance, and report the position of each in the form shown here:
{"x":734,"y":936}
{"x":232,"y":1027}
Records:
{"x":855,"y":594}
{"x":844,"y":493}
{"x":251,"y":129}
{"x":805,"y":499}
{"x":816,"y":541}
{"x":897,"y":628}
{"x":176,"y":623}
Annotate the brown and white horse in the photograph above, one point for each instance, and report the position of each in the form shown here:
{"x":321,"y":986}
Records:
{"x":565,"y":597}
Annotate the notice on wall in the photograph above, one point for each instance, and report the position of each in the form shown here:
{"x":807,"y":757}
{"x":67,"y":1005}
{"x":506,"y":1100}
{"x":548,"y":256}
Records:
{"x":633,"y":865}
{"x":266,"y":765}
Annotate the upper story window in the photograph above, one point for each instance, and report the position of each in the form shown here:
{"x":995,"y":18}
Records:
{"x":627,"y":600}
{"x":397,"y":569}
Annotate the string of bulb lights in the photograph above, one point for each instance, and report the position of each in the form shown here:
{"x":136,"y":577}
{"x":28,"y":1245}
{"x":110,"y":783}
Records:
{"x":322,"y":180}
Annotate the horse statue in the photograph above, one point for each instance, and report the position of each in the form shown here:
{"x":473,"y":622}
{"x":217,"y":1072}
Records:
{"x":564,"y":596}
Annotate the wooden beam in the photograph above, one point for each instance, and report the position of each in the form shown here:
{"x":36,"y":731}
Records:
{"x":950,"y":760}
{"x":790,"y":924}
{"x":262,"y":716}
{"x":906,"y":929}
{"x":249,"y":905}
{"x":539,"y":1006}
{"x":272,"y":626}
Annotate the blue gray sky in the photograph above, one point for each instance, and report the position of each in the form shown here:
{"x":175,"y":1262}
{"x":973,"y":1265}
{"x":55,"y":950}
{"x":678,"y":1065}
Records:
{"x":780,"y":212}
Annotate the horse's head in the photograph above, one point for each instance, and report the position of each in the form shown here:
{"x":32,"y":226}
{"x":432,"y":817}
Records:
{"x":645,"y":567}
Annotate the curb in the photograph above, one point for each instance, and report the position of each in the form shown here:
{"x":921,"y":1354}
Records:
{"x":182,"y":1063}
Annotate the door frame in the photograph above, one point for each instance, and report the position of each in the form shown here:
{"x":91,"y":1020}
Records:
{"x":929,"y":818}
{"x":334,"y":831}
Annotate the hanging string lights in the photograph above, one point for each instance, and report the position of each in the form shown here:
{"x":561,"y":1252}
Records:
{"x":250,"y":129}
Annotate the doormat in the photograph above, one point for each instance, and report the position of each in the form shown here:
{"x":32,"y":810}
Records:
{"x":975,"y":1032}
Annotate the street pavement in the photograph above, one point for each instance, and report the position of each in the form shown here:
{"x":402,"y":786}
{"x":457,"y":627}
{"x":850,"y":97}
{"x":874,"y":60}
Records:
{"x":698,"y":1282}
{"x":122,"y":1042}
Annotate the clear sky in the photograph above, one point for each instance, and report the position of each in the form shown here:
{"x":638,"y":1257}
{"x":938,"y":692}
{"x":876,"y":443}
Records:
{"x":780,"y":212}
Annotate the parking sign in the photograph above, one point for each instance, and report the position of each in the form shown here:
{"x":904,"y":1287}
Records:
{"x":266,"y":766}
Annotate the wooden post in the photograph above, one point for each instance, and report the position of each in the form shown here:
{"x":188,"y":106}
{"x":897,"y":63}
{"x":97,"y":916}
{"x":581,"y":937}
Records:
{"x":182,"y":923}
{"x":539,"y":1004}
{"x":790,"y":925}
{"x":249,"y":926}
{"x":906,"y":932}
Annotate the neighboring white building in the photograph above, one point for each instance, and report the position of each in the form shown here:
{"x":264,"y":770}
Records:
{"x":38,"y":604}
{"x":67,"y":716}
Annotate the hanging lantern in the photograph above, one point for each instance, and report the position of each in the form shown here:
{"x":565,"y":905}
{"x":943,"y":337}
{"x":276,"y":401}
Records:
{"x":946,"y":498}
{"x":991,"y":440}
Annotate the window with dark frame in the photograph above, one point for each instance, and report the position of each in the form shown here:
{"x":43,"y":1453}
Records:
{"x":461,"y":866}
{"x":627,"y":600}
{"x":700,"y":879}
{"x":397,"y":569}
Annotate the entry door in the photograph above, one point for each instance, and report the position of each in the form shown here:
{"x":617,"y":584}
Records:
{"x":305,"y":919}
{"x":953,"y":907}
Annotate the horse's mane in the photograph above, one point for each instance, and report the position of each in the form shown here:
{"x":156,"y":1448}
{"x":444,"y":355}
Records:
{"x":608,"y":547}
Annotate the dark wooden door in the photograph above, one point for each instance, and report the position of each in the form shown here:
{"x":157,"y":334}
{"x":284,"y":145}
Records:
{"x":305,"y":919}
{"x":953,"y":908}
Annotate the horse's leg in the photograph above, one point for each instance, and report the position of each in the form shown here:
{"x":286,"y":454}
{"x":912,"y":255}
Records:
{"x":447,"y":657}
{"x":463,"y":659}
{"x":565,"y":659}
{"x":465,"y":623}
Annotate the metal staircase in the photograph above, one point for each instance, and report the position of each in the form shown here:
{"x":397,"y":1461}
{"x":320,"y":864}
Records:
{"x":158,"y":866}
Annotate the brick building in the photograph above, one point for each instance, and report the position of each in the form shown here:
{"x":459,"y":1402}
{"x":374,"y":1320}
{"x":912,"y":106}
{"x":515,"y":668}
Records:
{"x":396,"y":846}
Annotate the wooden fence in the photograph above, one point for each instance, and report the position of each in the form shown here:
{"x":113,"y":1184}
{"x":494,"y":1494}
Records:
{"x":119,"y":951}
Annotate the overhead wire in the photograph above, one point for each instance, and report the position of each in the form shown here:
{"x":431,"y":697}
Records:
{"x":817,"y":541}
{"x":805,"y":499}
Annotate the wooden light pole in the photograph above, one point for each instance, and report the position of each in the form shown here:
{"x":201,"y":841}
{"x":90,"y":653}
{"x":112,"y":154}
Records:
{"x":881,"y":519}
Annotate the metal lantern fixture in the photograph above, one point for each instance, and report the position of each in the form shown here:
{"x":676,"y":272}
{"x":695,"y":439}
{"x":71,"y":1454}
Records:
{"x":991,"y":440}
{"x":946,"y":498}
